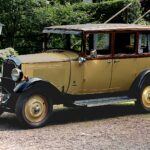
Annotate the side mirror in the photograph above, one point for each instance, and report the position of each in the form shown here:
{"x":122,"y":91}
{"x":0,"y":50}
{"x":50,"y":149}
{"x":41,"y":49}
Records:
{"x":93,"y":53}
{"x":81,"y":60}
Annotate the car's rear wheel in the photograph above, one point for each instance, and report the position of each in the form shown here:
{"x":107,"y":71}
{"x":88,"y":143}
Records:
{"x":33,"y":108}
{"x":144,"y":99}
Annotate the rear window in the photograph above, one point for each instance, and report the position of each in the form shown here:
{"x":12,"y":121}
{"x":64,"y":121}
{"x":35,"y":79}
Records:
{"x":125,"y":43}
{"x":144,"y":43}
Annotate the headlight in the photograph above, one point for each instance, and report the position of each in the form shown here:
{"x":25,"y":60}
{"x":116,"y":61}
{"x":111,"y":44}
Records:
{"x":16,"y":74}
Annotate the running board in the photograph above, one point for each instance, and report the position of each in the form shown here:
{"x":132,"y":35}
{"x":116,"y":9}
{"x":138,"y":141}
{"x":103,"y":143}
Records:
{"x":103,"y":101}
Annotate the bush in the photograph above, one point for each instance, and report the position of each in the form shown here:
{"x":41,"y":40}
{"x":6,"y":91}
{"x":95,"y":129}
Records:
{"x":104,"y":10}
{"x":4,"y":53}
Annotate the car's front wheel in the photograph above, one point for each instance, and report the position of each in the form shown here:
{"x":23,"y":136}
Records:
{"x":33,"y":108}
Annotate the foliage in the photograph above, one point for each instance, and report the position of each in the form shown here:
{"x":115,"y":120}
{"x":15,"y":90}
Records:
{"x":14,"y":15}
{"x":106,"y":9}
{"x":146,"y":7}
{"x":60,"y":15}
{"x":6,"y":53}
{"x":25,"y":19}
{"x":64,"y":1}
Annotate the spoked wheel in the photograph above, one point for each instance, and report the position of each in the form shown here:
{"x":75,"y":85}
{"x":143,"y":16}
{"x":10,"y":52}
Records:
{"x":33,"y":108}
{"x":144,"y":99}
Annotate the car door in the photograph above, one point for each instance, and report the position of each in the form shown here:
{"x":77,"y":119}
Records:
{"x":97,"y":70}
{"x":124,"y":61}
{"x":97,"y":75}
{"x":93,"y":75}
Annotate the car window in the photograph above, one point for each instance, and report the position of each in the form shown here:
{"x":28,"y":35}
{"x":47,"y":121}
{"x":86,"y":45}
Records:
{"x":75,"y":42}
{"x":99,"y":42}
{"x":56,"y":41}
{"x":71,"y":42}
{"x":125,"y":43}
{"x":144,"y":43}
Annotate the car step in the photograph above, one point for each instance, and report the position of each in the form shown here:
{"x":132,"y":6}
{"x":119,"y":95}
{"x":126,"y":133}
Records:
{"x":103,"y":101}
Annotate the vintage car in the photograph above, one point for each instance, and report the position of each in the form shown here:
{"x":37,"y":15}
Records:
{"x":81,"y":66}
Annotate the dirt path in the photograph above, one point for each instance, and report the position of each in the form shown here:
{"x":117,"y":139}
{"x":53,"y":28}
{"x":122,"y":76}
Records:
{"x":109,"y":127}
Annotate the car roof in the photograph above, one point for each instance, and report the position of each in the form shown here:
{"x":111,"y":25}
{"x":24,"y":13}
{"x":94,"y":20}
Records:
{"x":96,"y":27}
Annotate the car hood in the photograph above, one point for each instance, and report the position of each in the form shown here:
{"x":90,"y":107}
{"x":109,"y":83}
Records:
{"x":48,"y":57}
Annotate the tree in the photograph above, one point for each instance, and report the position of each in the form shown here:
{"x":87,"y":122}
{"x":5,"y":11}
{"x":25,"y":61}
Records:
{"x":25,"y":19}
{"x":14,"y":14}
{"x":146,"y":6}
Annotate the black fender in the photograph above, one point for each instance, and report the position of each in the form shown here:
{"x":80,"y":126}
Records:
{"x":142,"y":79}
{"x":25,"y":84}
{"x":50,"y":89}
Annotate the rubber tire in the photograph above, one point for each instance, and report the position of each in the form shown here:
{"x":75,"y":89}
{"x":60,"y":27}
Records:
{"x":23,"y":98}
{"x":139,"y":104}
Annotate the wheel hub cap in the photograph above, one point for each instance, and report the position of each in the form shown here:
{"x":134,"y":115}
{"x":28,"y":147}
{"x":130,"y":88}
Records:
{"x":146,"y":97}
{"x":36,"y":109}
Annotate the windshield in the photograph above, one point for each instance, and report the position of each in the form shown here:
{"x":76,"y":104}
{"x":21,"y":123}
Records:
{"x":56,"y":41}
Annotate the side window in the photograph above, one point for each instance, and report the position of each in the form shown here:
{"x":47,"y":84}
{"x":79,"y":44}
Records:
{"x":125,"y":43}
{"x":75,"y":42}
{"x":144,"y":43}
{"x":99,"y":42}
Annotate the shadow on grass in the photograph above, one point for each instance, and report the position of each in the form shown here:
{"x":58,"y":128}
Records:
{"x":71,"y":115}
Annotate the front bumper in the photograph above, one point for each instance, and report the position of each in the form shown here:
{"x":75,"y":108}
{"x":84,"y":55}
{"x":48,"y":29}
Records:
{"x":4,"y":101}
{"x":4,"y":98}
{"x":7,"y":102}
{"x":7,"y":95}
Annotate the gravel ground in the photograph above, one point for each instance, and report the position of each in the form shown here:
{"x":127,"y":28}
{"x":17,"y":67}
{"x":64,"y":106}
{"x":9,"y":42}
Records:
{"x":109,"y":127}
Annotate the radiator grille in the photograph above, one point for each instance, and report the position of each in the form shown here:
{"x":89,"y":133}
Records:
{"x":7,"y":82}
{"x":7,"y":68}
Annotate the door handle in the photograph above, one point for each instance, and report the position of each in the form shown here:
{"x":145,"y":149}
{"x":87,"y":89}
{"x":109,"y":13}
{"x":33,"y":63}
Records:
{"x":116,"y":61}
